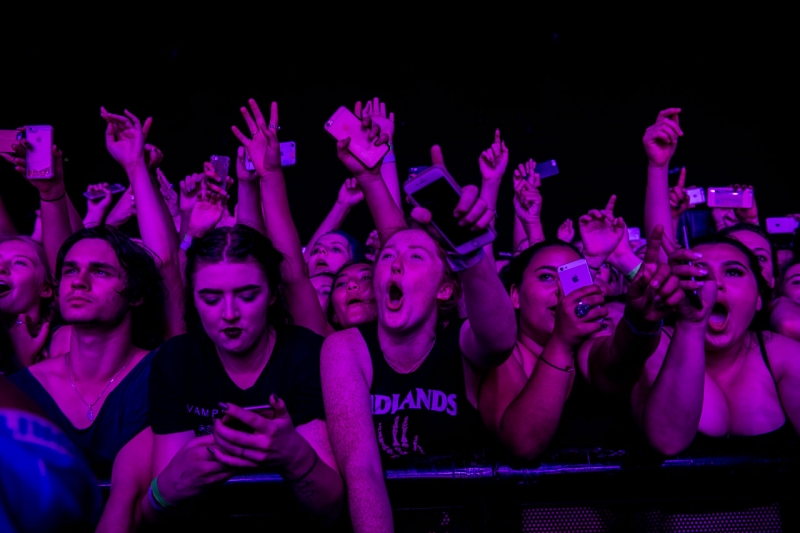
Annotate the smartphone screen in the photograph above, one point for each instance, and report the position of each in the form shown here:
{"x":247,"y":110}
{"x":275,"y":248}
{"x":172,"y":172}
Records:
{"x":221,"y":165}
{"x":729,"y":197}
{"x":545,"y":169}
{"x":441,"y":200}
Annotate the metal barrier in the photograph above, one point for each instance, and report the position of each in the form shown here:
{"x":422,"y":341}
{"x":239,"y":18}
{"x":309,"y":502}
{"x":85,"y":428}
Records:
{"x":601,"y":493}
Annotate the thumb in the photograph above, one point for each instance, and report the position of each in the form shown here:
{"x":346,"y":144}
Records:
{"x":436,"y":155}
{"x":279,"y":406}
{"x":421,"y":215}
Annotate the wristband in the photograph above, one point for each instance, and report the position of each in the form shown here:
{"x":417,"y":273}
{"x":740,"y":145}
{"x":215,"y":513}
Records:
{"x":157,"y":497}
{"x":186,"y":243}
{"x":389,"y":157}
{"x":632,"y":274}
{"x":463,"y":262}
{"x":640,"y":333}
{"x":54,"y":199}
{"x":569,"y":368}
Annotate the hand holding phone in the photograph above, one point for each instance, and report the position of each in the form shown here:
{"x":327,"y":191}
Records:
{"x":8,"y":138}
{"x":262,"y":146}
{"x":95,"y":191}
{"x":265,"y":411}
{"x":779,"y":225}
{"x":367,"y":144}
{"x":730,"y":197}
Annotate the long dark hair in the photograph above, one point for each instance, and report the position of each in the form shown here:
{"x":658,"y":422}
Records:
{"x":513,"y":272}
{"x":758,"y":230}
{"x":143,"y":282}
{"x":760,"y":321}
{"x":237,"y":244}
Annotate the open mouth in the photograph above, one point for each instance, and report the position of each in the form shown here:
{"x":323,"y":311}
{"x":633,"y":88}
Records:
{"x":395,"y":300}
{"x":322,"y":264}
{"x":5,"y":288}
{"x":232,"y":333}
{"x":719,"y":317}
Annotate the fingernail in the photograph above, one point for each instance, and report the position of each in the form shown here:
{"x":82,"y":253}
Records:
{"x":223,"y":406}
{"x":697,"y":255}
{"x":703,"y":271}
{"x":700,"y":283}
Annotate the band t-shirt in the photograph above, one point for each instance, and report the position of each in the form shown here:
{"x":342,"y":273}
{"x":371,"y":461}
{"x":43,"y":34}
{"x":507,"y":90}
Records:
{"x":188,"y":381}
{"x":424,"y":413}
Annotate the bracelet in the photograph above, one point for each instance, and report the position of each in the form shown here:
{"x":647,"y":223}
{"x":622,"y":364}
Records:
{"x":54,"y":199}
{"x":186,"y":243}
{"x":636,"y":331}
{"x":301,"y":478}
{"x":389,"y":157}
{"x":463,"y":262}
{"x":159,"y":499}
{"x":632,"y":274}
{"x":569,"y":368}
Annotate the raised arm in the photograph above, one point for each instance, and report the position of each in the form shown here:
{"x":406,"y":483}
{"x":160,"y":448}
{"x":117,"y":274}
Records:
{"x":376,"y":110}
{"x":492,"y":164}
{"x":388,"y":216}
{"x":528,"y":228}
{"x":660,"y":141}
{"x":349,"y":196}
{"x":264,"y":151}
{"x":56,"y":224}
{"x":668,"y":399}
{"x":249,"y":211}
{"x":345,"y":389}
{"x":97,"y":208}
{"x":125,"y":136}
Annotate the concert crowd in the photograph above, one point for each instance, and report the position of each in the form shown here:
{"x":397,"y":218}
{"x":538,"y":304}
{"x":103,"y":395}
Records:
{"x":214,"y":343}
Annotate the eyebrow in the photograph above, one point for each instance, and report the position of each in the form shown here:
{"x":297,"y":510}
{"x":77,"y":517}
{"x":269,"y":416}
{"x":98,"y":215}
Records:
{"x":546,"y":267}
{"x":92,"y":264}
{"x":237,"y":289}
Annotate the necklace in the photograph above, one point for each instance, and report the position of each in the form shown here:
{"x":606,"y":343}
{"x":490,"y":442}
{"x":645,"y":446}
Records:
{"x":397,"y":368}
{"x":90,"y":413}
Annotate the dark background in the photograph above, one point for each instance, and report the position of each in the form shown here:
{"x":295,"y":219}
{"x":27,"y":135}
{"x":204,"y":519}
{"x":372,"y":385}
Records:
{"x":582,"y":95}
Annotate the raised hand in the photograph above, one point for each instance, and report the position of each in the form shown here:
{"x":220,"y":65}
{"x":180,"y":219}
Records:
{"x":97,"y":208}
{"x":655,"y":290}
{"x":169,"y":194}
{"x":207,"y":210}
{"x":601,"y":233}
{"x":572,"y":330}
{"x":750,"y":214}
{"x":350,"y":194}
{"x":661,"y":139}
{"x":376,"y":110}
{"x":28,"y":346}
{"x":566,"y":231}
{"x":190,"y":189}
{"x":152,"y":156}
{"x":494,"y":160}
{"x":678,"y":199}
{"x":125,"y":136}
{"x":242,"y":174}
{"x":527,"y":199}
{"x":704,"y":283}
{"x":723,"y":217}
{"x":123,"y":210}
{"x":262,"y":145}
{"x":373,"y":245}
{"x":354,"y":165}
{"x":49,"y":189}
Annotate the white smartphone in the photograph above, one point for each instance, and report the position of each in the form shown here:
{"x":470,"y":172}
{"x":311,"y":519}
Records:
{"x":782,"y":225}
{"x":697,"y":195}
{"x":574,"y":275}
{"x":39,"y":155}
{"x":288,"y":156}
{"x":435,"y":190}
{"x":345,"y":124}
{"x":730,"y":197}
{"x":634,"y":234}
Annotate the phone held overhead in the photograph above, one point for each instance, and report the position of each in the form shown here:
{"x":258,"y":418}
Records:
{"x":344,"y":124}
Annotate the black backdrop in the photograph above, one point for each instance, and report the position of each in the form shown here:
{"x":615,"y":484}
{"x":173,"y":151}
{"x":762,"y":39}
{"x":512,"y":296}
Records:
{"x":556,"y":89}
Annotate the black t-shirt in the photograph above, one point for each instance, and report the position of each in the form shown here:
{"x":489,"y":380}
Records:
{"x":188,"y":381}
{"x":424,"y":413}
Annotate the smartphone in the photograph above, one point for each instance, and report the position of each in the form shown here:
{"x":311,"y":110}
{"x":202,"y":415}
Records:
{"x":730,"y":197}
{"x":222,"y":164}
{"x":414,"y":171}
{"x":266,"y":411}
{"x":435,"y":190}
{"x":634,"y":234}
{"x":39,"y":155}
{"x":7,"y":138}
{"x":545,"y":169}
{"x":345,"y":124}
{"x":116,"y":188}
{"x":288,"y":156}
{"x":782,"y":225}
{"x":574,"y":275}
{"x":697,"y":195}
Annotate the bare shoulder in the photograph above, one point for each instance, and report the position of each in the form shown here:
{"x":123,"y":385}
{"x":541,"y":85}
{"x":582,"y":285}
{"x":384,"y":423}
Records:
{"x":49,"y":370}
{"x":783,"y":353}
{"x":344,"y":351}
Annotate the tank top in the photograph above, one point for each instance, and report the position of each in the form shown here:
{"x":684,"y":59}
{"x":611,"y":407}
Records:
{"x":425,"y":413}
{"x":781,"y":442}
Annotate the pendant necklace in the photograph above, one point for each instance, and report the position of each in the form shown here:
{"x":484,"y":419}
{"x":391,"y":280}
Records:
{"x":397,"y":368}
{"x":90,"y":413}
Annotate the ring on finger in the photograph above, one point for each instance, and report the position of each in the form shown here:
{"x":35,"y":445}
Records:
{"x":582,"y":309}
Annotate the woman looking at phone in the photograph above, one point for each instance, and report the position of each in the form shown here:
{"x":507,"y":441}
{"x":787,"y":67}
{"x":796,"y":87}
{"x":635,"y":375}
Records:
{"x":406,"y":358}
{"x":718,"y":377}
{"x":240,"y":351}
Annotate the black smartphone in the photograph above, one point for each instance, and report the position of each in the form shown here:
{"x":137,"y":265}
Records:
{"x":262,"y":410}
